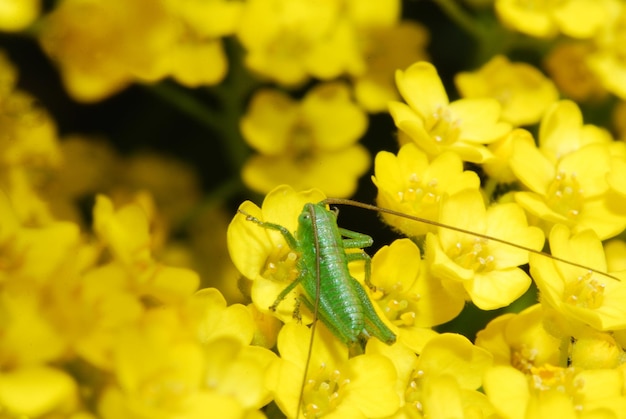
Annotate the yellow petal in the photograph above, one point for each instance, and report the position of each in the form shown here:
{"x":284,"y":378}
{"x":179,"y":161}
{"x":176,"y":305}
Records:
{"x":35,"y":391}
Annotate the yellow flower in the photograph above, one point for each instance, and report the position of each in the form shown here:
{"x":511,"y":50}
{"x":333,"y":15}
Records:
{"x":291,"y":40}
{"x":443,"y":381}
{"x":562,"y":131}
{"x":310,"y":144}
{"x":336,"y":386}
{"x":546,"y":18}
{"x":217,"y":320}
{"x":387,"y":44}
{"x":102,"y":47}
{"x":162,"y":370}
{"x":262,"y":255}
{"x":567,"y":66}
{"x":37,"y":391}
{"x":410,"y":184}
{"x":126,"y":233}
{"x":16,"y":15}
{"x":521,"y":89}
{"x":412,"y":299}
{"x":29,"y":335}
{"x":29,"y":149}
{"x":197,"y":56}
{"x":499,"y":168}
{"x":92,"y":308}
{"x":577,"y":294}
{"x":520,"y":340}
{"x":484,"y":272}
{"x":564,"y":187}
{"x":606,"y":61}
{"x":550,"y":392}
{"x":436,"y":125}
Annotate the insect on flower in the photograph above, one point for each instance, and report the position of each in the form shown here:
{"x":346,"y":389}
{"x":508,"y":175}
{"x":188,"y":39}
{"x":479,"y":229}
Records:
{"x":314,"y":253}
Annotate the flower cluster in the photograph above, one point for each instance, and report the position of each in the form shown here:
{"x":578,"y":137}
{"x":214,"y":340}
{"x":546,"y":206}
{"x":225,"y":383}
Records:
{"x":118,"y":298}
{"x":566,"y":353}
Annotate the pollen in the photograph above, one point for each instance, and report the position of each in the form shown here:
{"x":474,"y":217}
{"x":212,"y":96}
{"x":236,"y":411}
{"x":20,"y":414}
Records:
{"x":322,"y":392}
{"x":282,"y":267}
{"x":398,"y":306}
{"x":442,"y":126}
{"x":474,"y":255}
{"x":585,"y":291}
{"x":419,"y":190}
{"x":524,"y":358}
{"x":551,"y":378}
{"x":565,"y":195}
{"x":413,"y":392}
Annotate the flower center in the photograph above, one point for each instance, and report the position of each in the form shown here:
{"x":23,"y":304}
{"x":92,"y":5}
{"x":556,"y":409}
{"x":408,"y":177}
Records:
{"x":397,"y":305}
{"x":565,"y":195}
{"x":585,"y":292}
{"x":322,"y":392}
{"x":523,"y":358}
{"x":473,"y":255}
{"x":420,"y":193}
{"x":442,"y":127}
{"x":551,"y":378}
{"x":302,"y":144}
{"x":281,"y":265}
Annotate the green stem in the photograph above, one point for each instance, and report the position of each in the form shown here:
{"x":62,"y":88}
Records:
{"x":461,"y":18}
{"x":217,"y":196}
{"x":232,"y":95}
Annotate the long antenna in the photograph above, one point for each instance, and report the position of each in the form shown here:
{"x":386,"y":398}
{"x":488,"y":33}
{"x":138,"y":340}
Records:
{"x":341,"y":201}
{"x":316,"y":242}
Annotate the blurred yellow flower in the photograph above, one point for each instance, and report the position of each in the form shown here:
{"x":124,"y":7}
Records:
{"x":521,"y":89}
{"x":197,"y":56}
{"x":308,"y":144}
{"x":16,"y":15}
{"x":547,"y":18}
{"x":29,"y":149}
{"x":607,"y":60}
{"x":567,"y":66}
{"x":291,"y":40}
{"x":102,"y":47}
{"x":162,"y":370}
{"x":387,"y":44}
{"x":436,"y":125}
{"x":38,"y":391}
{"x":126,"y":232}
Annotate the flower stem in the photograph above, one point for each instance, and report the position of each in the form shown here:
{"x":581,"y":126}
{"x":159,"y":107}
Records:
{"x":461,"y":18}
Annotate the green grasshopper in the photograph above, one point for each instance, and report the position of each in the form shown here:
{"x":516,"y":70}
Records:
{"x":343,"y":305}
